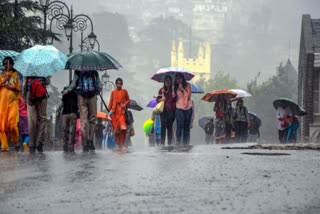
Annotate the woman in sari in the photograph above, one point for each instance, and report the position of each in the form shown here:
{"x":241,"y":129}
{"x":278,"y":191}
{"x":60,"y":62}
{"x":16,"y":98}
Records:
{"x":119,"y":101}
{"x":9,"y":105}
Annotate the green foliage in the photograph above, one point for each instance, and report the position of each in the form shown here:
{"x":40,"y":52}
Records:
{"x":263,"y":96}
{"x":19,"y":26}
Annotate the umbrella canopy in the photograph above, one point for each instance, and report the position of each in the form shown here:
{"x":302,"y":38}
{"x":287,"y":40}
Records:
{"x":213,"y":95}
{"x":5,"y":53}
{"x":134,"y":105}
{"x":161,"y":73}
{"x":92,"y":60}
{"x":204,"y":121}
{"x":42,"y":61}
{"x":240,"y":94}
{"x":253,"y":116}
{"x":152,"y":103}
{"x":103,"y":115}
{"x":196,"y":89}
{"x":294,"y":107}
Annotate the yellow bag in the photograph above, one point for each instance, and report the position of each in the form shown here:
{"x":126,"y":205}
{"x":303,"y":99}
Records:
{"x":159,"y":108}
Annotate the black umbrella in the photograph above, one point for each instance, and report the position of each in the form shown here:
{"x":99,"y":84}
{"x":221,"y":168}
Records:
{"x":294,"y":107}
{"x":134,"y":105}
{"x":253,"y":116}
{"x":204,"y":121}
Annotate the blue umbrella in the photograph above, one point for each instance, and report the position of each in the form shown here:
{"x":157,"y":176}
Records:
{"x":42,"y":61}
{"x":196,"y":89}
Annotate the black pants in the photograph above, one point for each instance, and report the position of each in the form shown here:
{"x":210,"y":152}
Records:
{"x":283,"y":135}
{"x":167,"y":118}
{"x":241,"y":129}
{"x":228,"y":132}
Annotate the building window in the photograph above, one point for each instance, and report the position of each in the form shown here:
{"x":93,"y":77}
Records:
{"x":316,"y":94}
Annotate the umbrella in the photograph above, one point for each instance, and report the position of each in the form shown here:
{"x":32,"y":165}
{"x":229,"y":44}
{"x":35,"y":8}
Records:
{"x":294,"y":107}
{"x":213,"y":95}
{"x":40,"y":61}
{"x":161,"y":73}
{"x":240,"y":94}
{"x":103,"y":115}
{"x":5,"y":53}
{"x":253,"y":116}
{"x":152,"y":103}
{"x":196,"y":89}
{"x":91,"y":60}
{"x":134,"y":105}
{"x":204,"y":121}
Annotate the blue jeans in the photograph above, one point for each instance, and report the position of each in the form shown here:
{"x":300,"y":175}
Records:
{"x":183,"y":118}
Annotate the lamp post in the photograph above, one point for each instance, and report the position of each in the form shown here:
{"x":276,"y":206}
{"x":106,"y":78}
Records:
{"x":108,"y":86}
{"x":87,"y":44}
{"x":65,"y":20}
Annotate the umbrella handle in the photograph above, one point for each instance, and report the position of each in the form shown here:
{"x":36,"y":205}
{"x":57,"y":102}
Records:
{"x":105,"y":105}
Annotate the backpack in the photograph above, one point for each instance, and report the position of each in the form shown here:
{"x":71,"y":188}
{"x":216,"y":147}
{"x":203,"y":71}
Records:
{"x":37,"y":89}
{"x":87,"y":85}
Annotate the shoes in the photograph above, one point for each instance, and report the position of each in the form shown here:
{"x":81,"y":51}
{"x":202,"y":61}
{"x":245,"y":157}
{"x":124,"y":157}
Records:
{"x":40,"y":148}
{"x":85,"y":148}
{"x":5,"y":150}
{"x":65,"y":147}
{"x":91,"y":145}
{"x":17,"y":148}
{"x":32,"y":149}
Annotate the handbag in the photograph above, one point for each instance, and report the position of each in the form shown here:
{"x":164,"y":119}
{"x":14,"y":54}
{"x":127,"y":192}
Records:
{"x":158,"y":109}
{"x":132,"y":132}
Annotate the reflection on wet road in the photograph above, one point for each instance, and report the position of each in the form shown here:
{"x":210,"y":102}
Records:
{"x":147,"y":180}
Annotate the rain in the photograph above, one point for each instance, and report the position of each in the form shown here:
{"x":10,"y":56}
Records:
{"x":159,"y":106}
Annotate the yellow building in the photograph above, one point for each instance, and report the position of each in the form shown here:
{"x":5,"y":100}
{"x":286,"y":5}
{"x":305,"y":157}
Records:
{"x":201,"y":66}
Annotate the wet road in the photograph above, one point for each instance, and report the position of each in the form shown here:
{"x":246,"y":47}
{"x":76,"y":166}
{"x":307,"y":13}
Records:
{"x":147,"y":180}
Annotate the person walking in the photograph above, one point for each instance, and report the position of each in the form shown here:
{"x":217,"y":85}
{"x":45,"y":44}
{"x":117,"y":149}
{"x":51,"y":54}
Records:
{"x":220,"y":109}
{"x":87,"y":85}
{"x":69,"y":118}
{"x":23,"y":125}
{"x":229,"y":121}
{"x":283,"y":115}
{"x":130,"y":129}
{"x":182,"y":90}
{"x":118,"y":103}
{"x":166,"y":94}
{"x":9,"y":105}
{"x":241,"y":122}
{"x":35,"y":94}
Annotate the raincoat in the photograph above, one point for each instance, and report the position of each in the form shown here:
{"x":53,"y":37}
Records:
{"x":9,"y":108}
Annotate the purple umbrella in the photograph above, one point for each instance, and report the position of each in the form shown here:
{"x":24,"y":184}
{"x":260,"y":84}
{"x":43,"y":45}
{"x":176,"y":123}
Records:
{"x":152,"y":103}
{"x":161,"y":73}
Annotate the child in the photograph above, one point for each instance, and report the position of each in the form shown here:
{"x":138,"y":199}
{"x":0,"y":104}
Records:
{"x":23,"y":125}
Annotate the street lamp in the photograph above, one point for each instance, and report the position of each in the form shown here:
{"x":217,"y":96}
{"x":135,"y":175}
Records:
{"x":60,"y":12}
{"x":108,"y":86}
{"x":87,"y":45}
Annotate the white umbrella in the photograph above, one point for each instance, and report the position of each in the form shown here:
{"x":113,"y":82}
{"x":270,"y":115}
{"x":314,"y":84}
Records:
{"x":240,"y":94}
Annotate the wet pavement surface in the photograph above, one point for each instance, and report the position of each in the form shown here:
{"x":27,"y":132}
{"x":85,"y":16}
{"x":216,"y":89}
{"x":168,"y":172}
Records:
{"x":147,"y":180}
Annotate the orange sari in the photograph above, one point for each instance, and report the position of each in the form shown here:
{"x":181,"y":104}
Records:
{"x":119,"y":100}
{"x":9,"y":108}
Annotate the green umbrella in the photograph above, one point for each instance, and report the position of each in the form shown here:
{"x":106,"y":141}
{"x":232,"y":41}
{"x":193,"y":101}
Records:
{"x":294,"y":107}
{"x":91,"y":60}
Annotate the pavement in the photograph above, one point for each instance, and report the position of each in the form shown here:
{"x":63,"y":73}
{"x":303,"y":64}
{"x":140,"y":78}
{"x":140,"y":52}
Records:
{"x":207,"y":179}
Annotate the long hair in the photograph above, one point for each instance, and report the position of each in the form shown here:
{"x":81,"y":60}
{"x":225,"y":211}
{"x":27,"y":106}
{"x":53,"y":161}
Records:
{"x":184,"y":82}
{"x":164,"y":84}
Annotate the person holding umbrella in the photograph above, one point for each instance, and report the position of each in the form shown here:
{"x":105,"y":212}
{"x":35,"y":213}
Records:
{"x":9,"y":105}
{"x":182,"y":90}
{"x":167,"y":95}
{"x":241,"y":122}
{"x":118,"y":103}
{"x":88,"y":85}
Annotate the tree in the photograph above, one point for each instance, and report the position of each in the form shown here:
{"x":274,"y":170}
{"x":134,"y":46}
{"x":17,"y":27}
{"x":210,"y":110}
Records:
{"x":19,"y":26}
{"x":263,"y":96}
